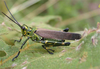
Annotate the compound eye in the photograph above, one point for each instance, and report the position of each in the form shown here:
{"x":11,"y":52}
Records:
{"x":28,"y":33}
{"x":23,"y":28}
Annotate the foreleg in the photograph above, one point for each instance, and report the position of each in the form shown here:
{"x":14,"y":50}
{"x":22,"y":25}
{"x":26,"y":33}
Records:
{"x":19,"y":40}
{"x":20,"y":49}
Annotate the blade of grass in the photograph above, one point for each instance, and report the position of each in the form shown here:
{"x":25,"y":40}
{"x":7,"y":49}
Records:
{"x":23,"y":6}
{"x":78,"y":18}
{"x":42,"y":8}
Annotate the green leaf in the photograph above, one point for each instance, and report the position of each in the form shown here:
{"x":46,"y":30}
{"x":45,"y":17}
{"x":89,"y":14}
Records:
{"x":33,"y":56}
{"x":43,"y":22}
{"x":45,"y":19}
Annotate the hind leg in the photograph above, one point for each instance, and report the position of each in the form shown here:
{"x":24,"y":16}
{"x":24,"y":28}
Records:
{"x":50,"y":51}
{"x":53,"y":44}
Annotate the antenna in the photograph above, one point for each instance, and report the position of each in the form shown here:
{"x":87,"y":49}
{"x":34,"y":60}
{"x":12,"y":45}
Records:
{"x":9,"y":17}
{"x":12,"y":16}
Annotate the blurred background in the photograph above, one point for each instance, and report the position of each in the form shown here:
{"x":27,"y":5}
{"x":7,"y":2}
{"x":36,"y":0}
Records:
{"x":74,"y":14}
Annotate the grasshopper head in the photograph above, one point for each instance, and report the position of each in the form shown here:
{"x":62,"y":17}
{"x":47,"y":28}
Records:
{"x":26,"y":31}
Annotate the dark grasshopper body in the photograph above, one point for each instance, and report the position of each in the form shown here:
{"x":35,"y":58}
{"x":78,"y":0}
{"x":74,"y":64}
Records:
{"x":58,"y":35}
{"x":44,"y":36}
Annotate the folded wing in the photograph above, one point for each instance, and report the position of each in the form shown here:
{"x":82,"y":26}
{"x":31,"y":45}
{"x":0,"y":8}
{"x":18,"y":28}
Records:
{"x":58,"y":35}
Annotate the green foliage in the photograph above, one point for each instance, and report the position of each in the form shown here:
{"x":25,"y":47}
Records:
{"x":67,"y":9}
{"x":77,"y":55}
{"x":82,"y":54}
